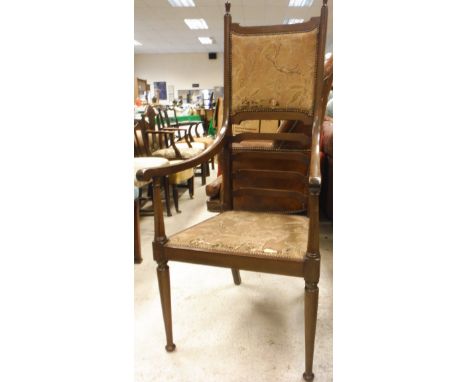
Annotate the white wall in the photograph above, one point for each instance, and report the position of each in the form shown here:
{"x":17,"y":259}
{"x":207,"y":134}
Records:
{"x":180,"y":69}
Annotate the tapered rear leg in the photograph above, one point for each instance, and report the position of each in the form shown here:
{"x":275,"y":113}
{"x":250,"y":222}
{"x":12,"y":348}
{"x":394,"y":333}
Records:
{"x":175,"y":196}
{"x":190,"y":187}
{"x":236,"y":276}
{"x":203,"y":173}
{"x":165,"y":182}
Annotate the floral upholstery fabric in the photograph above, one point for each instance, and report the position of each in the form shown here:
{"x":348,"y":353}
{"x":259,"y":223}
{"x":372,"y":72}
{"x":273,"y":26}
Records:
{"x":207,"y":141}
{"x":185,"y":151}
{"x":248,"y":233}
{"x":273,"y":72}
{"x":195,"y":145}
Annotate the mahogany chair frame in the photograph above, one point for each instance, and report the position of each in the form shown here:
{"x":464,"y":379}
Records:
{"x":309,"y":267}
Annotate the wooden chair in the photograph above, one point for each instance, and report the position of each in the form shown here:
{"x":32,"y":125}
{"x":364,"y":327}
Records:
{"x":190,"y":126}
{"x":186,"y":141}
{"x":262,"y":188}
{"x":144,"y":139}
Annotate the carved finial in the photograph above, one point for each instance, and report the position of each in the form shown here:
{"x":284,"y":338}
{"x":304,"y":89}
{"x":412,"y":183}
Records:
{"x":325,"y":2}
{"x":227,"y":5}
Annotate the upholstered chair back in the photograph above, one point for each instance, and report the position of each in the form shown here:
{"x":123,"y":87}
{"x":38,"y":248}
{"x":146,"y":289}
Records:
{"x":274,"y":71}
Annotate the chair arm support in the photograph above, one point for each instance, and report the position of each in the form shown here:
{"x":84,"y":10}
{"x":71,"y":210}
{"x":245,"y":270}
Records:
{"x":149,"y":173}
{"x":315,"y":177}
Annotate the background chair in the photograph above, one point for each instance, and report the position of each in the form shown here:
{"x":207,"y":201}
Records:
{"x":144,"y":139}
{"x":184,"y":147}
{"x":262,"y":188}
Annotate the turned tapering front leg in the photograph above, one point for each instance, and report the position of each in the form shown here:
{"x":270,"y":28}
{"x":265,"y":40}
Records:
{"x":310,"y":319}
{"x":165,"y":293}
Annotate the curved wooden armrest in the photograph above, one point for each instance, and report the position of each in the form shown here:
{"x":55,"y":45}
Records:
{"x":149,"y":173}
{"x":315,"y":177}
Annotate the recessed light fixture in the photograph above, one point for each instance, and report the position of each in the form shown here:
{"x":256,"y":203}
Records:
{"x":206,"y":40}
{"x":136,"y":43}
{"x":196,"y":23}
{"x":182,"y":3}
{"x":293,"y":21}
{"x":300,"y":3}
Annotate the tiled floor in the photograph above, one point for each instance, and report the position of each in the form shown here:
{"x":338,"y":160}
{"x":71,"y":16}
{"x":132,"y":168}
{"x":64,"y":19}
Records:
{"x":227,"y":333}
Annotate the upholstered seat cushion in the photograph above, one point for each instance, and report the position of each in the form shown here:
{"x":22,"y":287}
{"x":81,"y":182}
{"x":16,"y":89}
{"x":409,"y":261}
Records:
{"x":248,"y":234}
{"x":180,"y":176}
{"x":185,"y":151}
{"x":207,"y":141}
{"x":146,"y":162}
{"x":195,"y":145}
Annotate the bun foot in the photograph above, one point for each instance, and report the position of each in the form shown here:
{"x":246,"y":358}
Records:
{"x":170,"y":348}
{"x":308,"y":377}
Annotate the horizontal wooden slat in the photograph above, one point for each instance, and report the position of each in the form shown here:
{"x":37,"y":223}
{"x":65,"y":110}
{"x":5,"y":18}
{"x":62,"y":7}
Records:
{"x":269,"y":192}
{"x":304,"y":116}
{"x":298,"y":156}
{"x":289,"y":137}
{"x":273,"y":174}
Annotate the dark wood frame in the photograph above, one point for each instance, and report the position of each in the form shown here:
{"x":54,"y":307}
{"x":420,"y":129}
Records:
{"x":137,"y":258}
{"x":309,"y":267}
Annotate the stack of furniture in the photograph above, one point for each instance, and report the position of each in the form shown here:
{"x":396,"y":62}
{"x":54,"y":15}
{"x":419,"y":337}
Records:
{"x":270,"y":197}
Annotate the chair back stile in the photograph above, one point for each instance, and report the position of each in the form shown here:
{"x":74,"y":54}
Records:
{"x":140,"y":139}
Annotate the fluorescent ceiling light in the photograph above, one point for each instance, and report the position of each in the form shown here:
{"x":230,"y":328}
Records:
{"x":293,"y":21}
{"x":300,"y":3}
{"x":136,"y":43}
{"x":206,"y":40}
{"x":196,"y":23}
{"x":182,"y":3}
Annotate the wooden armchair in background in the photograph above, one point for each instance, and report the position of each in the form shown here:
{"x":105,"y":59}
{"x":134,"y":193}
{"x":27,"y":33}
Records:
{"x":150,"y":143}
{"x":262,"y":188}
{"x":185,"y":143}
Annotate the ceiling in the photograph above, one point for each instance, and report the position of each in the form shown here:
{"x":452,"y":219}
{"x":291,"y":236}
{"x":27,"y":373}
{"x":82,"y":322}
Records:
{"x":161,"y":27}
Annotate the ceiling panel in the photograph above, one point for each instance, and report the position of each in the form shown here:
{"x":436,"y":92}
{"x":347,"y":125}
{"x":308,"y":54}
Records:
{"x":161,"y":28}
